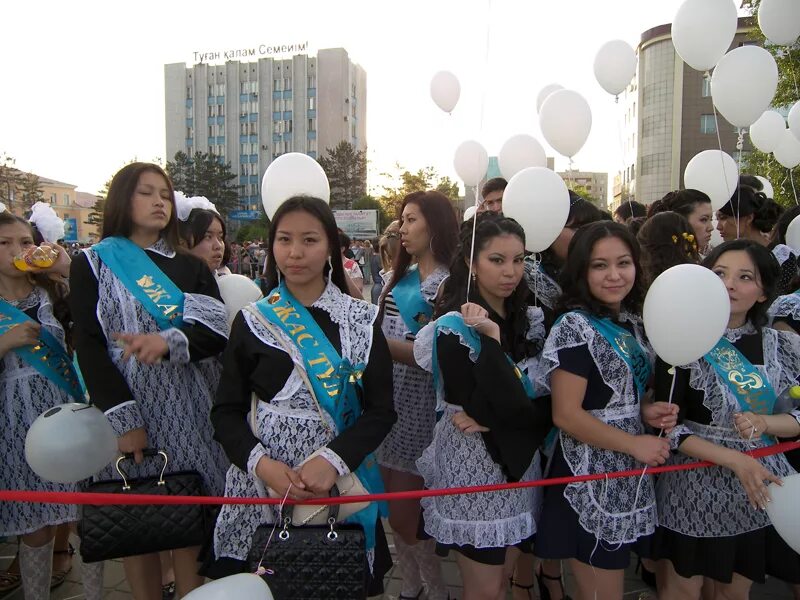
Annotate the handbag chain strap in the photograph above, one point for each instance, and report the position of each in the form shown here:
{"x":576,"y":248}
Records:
{"x":300,"y":370}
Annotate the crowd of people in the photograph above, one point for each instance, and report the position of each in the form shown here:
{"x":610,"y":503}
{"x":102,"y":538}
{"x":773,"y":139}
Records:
{"x":474,"y":363}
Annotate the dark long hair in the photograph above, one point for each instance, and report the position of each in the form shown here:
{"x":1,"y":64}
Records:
{"x":488,"y":226}
{"x":193,"y":230}
{"x":666,"y":240}
{"x":768,"y":272}
{"x":682,"y":202}
{"x":117,"y":212}
{"x":442,"y":224}
{"x":747,"y":201}
{"x":574,"y":284}
{"x":57,"y":292}
{"x":320,"y":210}
{"x":581,"y":212}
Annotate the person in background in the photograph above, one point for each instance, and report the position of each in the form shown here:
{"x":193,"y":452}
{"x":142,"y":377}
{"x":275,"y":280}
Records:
{"x":749,"y":214}
{"x":351,"y":268}
{"x":492,"y":195}
{"x":366,"y":268}
{"x":629,"y":209}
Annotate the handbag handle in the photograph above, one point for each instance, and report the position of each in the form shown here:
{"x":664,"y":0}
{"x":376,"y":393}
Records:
{"x":333,"y":509}
{"x":149,"y":453}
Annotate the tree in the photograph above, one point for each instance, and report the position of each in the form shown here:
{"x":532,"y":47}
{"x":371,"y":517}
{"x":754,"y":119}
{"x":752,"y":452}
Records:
{"x":205,"y":175}
{"x":30,"y":189}
{"x":370,"y":203}
{"x":95,"y":217}
{"x":9,"y":180}
{"x":584,"y":193}
{"x":346,"y":169}
{"x":760,"y":163}
{"x":406,"y":182}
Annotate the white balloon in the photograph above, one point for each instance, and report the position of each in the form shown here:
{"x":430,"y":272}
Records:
{"x":237,"y":291}
{"x":794,"y":120}
{"x":70,"y":442}
{"x":768,"y":191}
{"x":242,"y":586}
{"x":743,"y":84}
{"x":615,"y":66}
{"x":782,"y":510}
{"x":715,"y":174}
{"x":445,"y":90}
{"x":470,"y":212}
{"x":545,"y":92}
{"x":685,"y":313}
{"x":471,"y":162}
{"x":520,"y":152}
{"x":566,"y":120}
{"x":768,"y":130}
{"x":539,"y":200}
{"x":779,"y":21}
{"x":293,"y":174}
{"x":787,"y":152}
{"x":702,"y":31}
{"x":793,"y":234}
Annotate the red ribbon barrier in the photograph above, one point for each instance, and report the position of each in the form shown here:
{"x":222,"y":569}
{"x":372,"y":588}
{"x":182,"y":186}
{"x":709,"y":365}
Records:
{"x":123,"y":499}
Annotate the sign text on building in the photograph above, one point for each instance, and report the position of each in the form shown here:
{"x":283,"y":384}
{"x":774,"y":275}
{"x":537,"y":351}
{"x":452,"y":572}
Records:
{"x":255,"y":51}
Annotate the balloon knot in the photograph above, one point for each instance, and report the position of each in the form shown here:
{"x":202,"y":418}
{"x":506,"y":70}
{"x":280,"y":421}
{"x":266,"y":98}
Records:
{"x":671,"y":371}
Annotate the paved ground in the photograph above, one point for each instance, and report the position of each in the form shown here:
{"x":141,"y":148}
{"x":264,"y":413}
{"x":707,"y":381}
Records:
{"x":116,"y":588}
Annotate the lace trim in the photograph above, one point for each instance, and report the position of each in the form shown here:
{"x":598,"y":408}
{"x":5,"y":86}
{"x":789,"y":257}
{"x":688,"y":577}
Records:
{"x":782,"y":252}
{"x":543,"y":287}
{"x":36,"y":296}
{"x":125,"y":417}
{"x":256,"y":454}
{"x":335,"y":460}
{"x":736,"y":333}
{"x":163,"y":248}
{"x":178,"y":345}
{"x":208,"y":311}
{"x":787,"y":306}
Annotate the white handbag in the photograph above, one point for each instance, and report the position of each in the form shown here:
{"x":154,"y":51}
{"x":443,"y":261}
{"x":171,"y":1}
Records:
{"x":346,"y":485}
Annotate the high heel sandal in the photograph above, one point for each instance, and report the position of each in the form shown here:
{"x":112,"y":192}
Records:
{"x":527,"y":588}
{"x":544,"y":593}
{"x":648,"y":577}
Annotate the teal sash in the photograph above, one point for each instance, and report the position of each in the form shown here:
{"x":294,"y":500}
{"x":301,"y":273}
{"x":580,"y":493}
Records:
{"x":139,"y":274}
{"x":334,"y":379}
{"x":753,"y":392}
{"x":456,"y":323}
{"x":627,"y":347}
{"x":47,"y":356}
{"x":414,"y":309}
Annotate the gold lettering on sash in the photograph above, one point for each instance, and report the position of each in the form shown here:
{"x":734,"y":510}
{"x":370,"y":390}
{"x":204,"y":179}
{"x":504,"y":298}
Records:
{"x":145,"y":281}
{"x":284,"y":312}
{"x":306,"y":336}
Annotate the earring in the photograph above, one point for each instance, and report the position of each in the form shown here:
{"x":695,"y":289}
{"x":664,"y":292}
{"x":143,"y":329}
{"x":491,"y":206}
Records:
{"x":474,"y":277}
{"x":278,"y":271}
{"x":330,"y":265}
{"x":430,"y":243}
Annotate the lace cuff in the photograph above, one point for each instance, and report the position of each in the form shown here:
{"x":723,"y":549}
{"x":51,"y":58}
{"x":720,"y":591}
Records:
{"x":178,"y":345}
{"x":335,"y":460}
{"x":207,"y":311}
{"x":677,"y":436}
{"x":125,"y":417}
{"x":256,"y":454}
{"x":423,"y":347}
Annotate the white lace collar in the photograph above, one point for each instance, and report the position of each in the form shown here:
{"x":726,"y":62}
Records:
{"x":163,"y":248}
{"x":332,"y":301}
{"x":736,"y":333}
{"x":28,"y":301}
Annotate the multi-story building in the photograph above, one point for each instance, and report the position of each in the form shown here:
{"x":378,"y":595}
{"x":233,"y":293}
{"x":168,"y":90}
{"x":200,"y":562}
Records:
{"x":595,"y":184}
{"x":249,"y":113}
{"x":668,"y":117}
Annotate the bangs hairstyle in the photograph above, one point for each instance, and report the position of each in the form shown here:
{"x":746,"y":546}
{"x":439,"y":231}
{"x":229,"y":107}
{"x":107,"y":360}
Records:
{"x":574,"y":284}
{"x":117,"y":212}
{"x":767,"y":273}
{"x":442,"y":224}
{"x":488,"y":226}
{"x":666,"y":240}
{"x":320,"y":210}
{"x":193,"y":230}
{"x":56,"y":291}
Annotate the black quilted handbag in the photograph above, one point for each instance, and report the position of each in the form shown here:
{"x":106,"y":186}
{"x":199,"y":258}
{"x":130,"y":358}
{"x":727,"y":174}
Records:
{"x":117,"y":531}
{"x":312,"y":562}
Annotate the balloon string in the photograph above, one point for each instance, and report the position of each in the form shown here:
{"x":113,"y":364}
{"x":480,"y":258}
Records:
{"x":260,"y":569}
{"x":722,"y":159}
{"x":739,"y":146}
{"x":624,"y":163}
{"x":794,"y":189}
{"x":472,"y":243}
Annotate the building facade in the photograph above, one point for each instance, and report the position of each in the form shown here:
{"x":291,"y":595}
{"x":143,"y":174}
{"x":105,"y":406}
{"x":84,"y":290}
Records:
{"x":595,"y":184}
{"x":249,"y":113}
{"x":668,"y":118}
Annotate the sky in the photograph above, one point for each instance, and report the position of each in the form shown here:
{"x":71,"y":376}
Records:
{"x":83,"y":82}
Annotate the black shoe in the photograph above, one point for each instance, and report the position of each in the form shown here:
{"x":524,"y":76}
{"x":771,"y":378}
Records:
{"x":544,"y":593}
{"x":168,"y":591}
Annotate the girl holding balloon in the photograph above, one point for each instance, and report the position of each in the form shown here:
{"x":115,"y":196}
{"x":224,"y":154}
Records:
{"x":35,"y":374}
{"x":483,"y":355}
{"x":428,"y":240}
{"x":711,"y":521}
{"x":598,"y":366}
